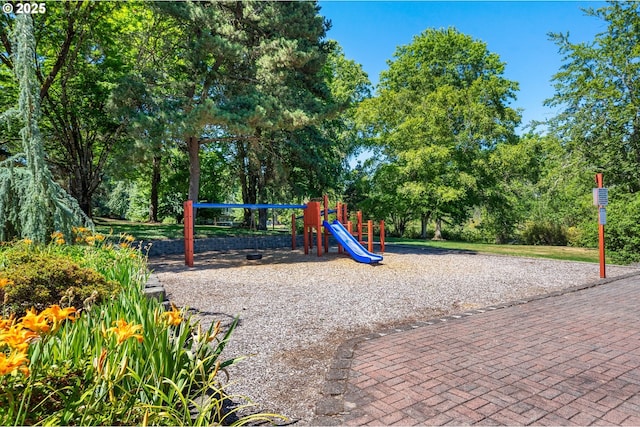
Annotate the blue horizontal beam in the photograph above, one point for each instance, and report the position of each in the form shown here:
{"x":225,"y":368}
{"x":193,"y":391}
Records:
{"x":247,"y":206}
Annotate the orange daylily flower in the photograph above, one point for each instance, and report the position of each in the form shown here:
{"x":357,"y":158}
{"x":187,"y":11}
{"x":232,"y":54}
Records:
{"x":57,"y":315}
{"x":7,"y":323}
{"x":36,"y":322}
{"x":5,"y":282}
{"x":124,"y":331}
{"x":173,"y":317}
{"x":15,"y":360}
{"x":17,"y":337}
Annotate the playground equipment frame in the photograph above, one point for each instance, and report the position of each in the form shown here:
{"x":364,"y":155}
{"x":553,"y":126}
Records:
{"x":312,"y":219}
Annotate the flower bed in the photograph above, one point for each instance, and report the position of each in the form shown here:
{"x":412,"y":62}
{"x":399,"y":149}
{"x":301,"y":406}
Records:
{"x":121,"y":359}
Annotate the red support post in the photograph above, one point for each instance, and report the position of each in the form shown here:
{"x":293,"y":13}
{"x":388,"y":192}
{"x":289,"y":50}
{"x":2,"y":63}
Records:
{"x":603,"y":273}
{"x":381,"y":236}
{"x":311,"y":221}
{"x":370,"y":235}
{"x":360,"y":227}
{"x":188,"y":233}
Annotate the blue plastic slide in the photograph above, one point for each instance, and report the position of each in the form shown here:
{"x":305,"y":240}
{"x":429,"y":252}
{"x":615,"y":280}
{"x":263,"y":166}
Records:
{"x":350,"y":243}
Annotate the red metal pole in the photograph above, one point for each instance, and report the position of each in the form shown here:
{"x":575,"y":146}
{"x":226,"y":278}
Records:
{"x":603,"y":273}
{"x":370,"y":235}
{"x":188,"y":233}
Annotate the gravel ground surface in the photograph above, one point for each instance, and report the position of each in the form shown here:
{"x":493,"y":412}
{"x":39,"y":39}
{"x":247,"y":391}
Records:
{"x":296,"y":309}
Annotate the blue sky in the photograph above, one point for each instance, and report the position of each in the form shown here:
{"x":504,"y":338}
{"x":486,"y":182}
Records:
{"x":370,"y":31}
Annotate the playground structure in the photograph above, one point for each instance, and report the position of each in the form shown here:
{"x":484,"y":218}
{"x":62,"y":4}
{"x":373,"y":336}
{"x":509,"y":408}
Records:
{"x":316,"y":217}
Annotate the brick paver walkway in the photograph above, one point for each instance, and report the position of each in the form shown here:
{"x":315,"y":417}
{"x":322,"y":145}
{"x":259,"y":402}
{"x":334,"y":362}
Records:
{"x":572,"y":359}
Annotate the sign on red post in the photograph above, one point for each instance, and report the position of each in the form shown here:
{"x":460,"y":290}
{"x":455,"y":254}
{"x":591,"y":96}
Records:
{"x":601,"y":199}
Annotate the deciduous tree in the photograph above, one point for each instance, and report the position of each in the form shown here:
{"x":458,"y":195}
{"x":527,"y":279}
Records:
{"x":441,"y":108}
{"x":598,"y":94}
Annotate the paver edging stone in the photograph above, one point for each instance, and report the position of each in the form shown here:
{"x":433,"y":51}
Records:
{"x":154,"y":289}
{"x":331,"y":407}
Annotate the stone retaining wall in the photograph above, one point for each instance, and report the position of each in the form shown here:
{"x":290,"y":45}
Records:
{"x":172,"y":247}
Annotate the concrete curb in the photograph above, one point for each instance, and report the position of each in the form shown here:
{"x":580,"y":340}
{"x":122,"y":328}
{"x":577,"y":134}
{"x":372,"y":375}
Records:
{"x":331,"y":406}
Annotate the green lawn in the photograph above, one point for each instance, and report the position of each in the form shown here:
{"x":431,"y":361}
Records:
{"x":553,"y":252}
{"x":148,"y":231}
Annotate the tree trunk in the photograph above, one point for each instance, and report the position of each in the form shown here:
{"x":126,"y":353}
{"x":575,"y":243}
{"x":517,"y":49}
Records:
{"x":250,"y":194}
{"x":262,"y":219}
{"x":438,"y":233}
{"x":78,"y":189}
{"x":193,"y":148}
{"x":424,"y":220}
{"x":155,"y":183}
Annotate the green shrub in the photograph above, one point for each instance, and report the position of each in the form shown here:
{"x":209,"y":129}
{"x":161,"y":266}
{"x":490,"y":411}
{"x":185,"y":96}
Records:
{"x":41,"y":279}
{"x":622,"y":231}
{"x":544,"y":233}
